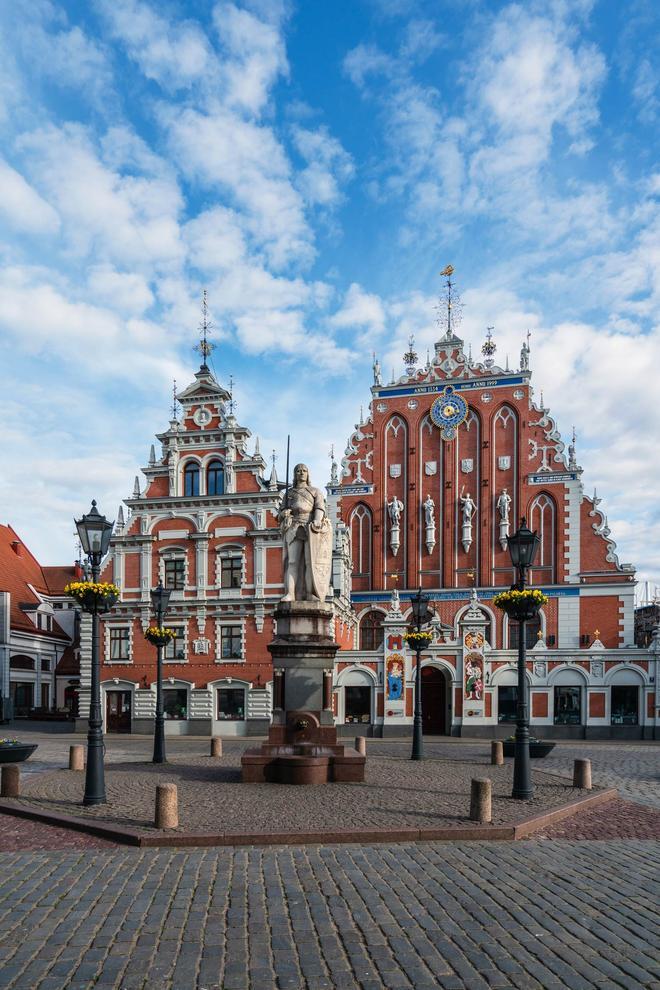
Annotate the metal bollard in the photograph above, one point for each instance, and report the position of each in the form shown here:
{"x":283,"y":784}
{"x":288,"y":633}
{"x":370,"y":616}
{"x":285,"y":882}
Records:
{"x":216,"y":746}
{"x":76,"y":757}
{"x":167,"y":806}
{"x":582,"y":774}
{"x":11,"y":781}
{"x":361,"y":745}
{"x":480,"y":800}
{"x":496,"y":753}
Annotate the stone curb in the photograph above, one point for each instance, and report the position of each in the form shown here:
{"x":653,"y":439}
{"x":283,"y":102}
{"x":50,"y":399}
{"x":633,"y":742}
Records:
{"x":145,"y":840}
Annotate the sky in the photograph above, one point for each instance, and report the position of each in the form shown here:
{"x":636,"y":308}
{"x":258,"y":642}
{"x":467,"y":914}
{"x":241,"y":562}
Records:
{"x":314,"y":166}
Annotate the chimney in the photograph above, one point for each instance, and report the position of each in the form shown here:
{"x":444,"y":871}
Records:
{"x":17,"y":547}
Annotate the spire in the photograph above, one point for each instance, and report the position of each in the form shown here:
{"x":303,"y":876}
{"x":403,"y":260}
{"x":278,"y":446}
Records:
{"x":205,"y":346}
{"x":489,"y":348}
{"x":136,"y":487}
{"x":152,"y":456}
{"x":449,"y":306}
{"x":272,"y":481}
{"x":410,"y":357}
{"x":119,"y":525}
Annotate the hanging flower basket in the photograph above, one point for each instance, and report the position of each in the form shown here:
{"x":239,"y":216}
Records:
{"x":418,"y":640}
{"x":159,"y":635}
{"x":94,"y":596}
{"x":521,"y":605}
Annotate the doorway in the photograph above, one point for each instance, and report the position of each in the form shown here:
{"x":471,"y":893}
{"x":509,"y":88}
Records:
{"x":434,"y":702}
{"x":118,"y":711}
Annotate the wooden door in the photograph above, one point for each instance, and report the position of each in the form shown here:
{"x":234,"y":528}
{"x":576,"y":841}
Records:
{"x":118,"y":711}
{"x":434,"y":702}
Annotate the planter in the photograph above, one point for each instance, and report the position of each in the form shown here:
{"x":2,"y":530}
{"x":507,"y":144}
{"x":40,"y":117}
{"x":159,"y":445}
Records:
{"x":91,"y":601}
{"x":521,"y":606}
{"x":94,"y":596}
{"x":16,"y":752}
{"x":158,"y":640}
{"x":418,"y":643}
{"x":537,"y":750}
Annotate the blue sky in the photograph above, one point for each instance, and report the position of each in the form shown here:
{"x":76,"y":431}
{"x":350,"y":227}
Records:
{"x":314,"y":166}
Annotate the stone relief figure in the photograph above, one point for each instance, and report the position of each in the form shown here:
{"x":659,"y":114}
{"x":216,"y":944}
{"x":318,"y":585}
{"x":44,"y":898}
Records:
{"x":307,"y":537}
{"x":469,"y":508}
{"x":504,"y":508}
{"x":394,"y":510}
{"x":429,"y":523}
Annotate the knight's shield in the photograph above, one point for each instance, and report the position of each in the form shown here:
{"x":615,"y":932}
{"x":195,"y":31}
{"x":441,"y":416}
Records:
{"x":320,"y":559}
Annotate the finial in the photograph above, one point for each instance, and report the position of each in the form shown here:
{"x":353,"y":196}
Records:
{"x":205,"y":346}
{"x":489,"y":348}
{"x":136,"y":487}
{"x":152,"y":456}
{"x":174,"y":399}
{"x":272,"y":481}
{"x":506,"y":363}
{"x":410,"y":357}
{"x":361,"y":415}
{"x":572,"y":461}
{"x":334,"y":476}
{"x":232,"y":401}
{"x":393,"y":381}
{"x":119,"y":525}
{"x":257,"y":451}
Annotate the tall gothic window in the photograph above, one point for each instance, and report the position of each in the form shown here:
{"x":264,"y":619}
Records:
{"x":361,"y":541}
{"x":215,"y":478}
{"x":542,"y":519}
{"x":191,"y":479}
{"x":371,"y":631}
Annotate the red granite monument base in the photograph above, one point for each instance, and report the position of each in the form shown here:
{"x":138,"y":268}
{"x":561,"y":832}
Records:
{"x":302,"y":751}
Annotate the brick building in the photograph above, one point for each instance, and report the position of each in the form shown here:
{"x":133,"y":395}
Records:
{"x":205,"y":525}
{"x":449,"y":458}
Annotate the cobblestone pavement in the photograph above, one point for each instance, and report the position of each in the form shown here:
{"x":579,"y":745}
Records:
{"x":396,"y":793}
{"x":17,"y":834}
{"x":475,"y":915}
{"x":615,"y":819}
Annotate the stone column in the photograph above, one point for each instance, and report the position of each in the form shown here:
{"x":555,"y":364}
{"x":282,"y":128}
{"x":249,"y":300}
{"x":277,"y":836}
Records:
{"x":327,"y":690}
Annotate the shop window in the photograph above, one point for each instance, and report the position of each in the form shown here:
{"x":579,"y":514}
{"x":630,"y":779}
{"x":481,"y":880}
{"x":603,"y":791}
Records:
{"x":231,"y":572}
{"x":215,"y":478}
{"x":176,"y":648}
{"x":22,"y":696}
{"x":532,"y":630}
{"x":175,"y":703}
{"x":120,"y":643}
{"x":625,"y":705}
{"x":191,"y":480}
{"x":175,"y":573}
{"x":507,"y":704}
{"x":230,"y":642}
{"x":357,"y":703}
{"x":568,"y":706}
{"x":371,"y":631}
{"x":231,"y":704}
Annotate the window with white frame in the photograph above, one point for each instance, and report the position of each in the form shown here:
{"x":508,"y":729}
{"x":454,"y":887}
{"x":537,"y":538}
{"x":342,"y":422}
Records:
{"x":175,"y":651}
{"x":119,"y":644}
{"x":230,"y":567}
{"x":174,"y":573}
{"x":230,"y":642}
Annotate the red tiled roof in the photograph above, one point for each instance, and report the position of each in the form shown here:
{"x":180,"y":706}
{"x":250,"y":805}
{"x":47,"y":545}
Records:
{"x":19,"y":570}
{"x":57,"y":578}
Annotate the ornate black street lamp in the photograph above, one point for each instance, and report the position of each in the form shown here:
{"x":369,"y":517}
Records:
{"x":160,"y":599}
{"x":522,"y":549}
{"x":418,"y":640}
{"x":94,"y":532}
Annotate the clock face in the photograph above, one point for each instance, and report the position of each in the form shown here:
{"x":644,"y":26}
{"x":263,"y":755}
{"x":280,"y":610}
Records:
{"x":449,"y":410}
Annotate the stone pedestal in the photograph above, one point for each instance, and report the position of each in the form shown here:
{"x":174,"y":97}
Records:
{"x":302,"y":743}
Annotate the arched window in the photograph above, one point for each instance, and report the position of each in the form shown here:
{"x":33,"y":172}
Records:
{"x":542,"y":519}
{"x":191,"y":479}
{"x":361,"y":542}
{"x":371,"y":631}
{"x":215,"y":478}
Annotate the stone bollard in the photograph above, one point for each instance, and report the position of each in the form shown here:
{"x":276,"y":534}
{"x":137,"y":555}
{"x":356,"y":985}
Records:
{"x":480,"y":800}
{"x":76,"y":758}
{"x":11,"y":781}
{"x":167,"y":810}
{"x":496,"y":753}
{"x":216,"y":746}
{"x":361,"y":745}
{"x":582,"y":774}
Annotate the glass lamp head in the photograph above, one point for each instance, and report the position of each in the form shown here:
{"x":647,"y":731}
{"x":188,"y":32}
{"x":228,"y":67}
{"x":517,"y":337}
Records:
{"x":523,"y":546}
{"x":94,"y":532}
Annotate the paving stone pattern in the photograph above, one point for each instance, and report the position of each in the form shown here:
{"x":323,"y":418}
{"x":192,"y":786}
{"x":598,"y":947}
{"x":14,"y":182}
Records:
{"x":617,"y":819}
{"x":474,"y":915}
{"x":396,"y":793}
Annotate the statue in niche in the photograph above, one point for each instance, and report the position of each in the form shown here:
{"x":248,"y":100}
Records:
{"x":469,"y":509}
{"x":504,"y":506}
{"x":429,"y":523}
{"x":307,"y":537}
{"x":394,"y":510}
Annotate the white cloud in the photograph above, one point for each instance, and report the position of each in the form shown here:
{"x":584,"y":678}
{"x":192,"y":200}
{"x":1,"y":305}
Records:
{"x":256,"y":53}
{"x":360,"y":309}
{"x":328,"y":165}
{"x":126,"y":291}
{"x":22,"y":206}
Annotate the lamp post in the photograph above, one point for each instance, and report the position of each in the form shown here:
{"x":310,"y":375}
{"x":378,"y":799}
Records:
{"x":421,"y":615}
{"x":160,"y":599}
{"x":522,"y":549}
{"x":94,"y":532}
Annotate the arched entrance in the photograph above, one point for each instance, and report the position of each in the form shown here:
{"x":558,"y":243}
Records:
{"x":435,"y":702}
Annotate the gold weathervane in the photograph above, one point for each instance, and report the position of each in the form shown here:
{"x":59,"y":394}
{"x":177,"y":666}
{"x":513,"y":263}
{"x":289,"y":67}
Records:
{"x":448,"y":271}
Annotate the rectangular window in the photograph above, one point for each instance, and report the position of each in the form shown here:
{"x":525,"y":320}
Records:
{"x":625,"y":704}
{"x":231,"y":704}
{"x":230,"y":642}
{"x":568,"y":706}
{"x":175,"y":574}
{"x":176,"y":648}
{"x":120,"y":643}
{"x":357,"y":703}
{"x":175,"y":703}
{"x":231,"y":572}
{"x":507,"y":704}
{"x":532,"y":630}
